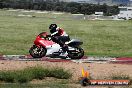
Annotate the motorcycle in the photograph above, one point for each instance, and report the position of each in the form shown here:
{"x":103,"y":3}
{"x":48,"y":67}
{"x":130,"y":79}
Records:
{"x":44,"y":46}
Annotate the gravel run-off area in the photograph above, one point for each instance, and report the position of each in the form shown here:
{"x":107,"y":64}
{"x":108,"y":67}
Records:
{"x":96,"y":70}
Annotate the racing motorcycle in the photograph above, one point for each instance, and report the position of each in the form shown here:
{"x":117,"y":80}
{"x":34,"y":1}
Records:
{"x":44,"y":46}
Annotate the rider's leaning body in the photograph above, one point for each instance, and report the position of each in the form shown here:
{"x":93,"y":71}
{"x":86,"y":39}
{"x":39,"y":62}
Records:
{"x":59,"y":36}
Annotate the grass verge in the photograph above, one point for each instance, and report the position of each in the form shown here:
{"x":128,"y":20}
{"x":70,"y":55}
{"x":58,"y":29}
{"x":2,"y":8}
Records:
{"x":28,"y":74}
{"x":100,"y":38}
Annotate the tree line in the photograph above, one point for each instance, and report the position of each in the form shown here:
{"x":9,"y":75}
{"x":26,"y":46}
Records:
{"x":56,"y":5}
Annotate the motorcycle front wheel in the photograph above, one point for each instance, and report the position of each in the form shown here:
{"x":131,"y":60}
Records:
{"x":78,"y":53}
{"x":37,"y":52}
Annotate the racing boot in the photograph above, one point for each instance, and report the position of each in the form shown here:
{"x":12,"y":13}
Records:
{"x":65,"y":48}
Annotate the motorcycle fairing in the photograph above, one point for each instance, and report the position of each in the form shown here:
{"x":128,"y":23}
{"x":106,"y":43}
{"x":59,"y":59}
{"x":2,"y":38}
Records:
{"x":52,"y":48}
{"x":40,"y":41}
{"x":74,"y":42}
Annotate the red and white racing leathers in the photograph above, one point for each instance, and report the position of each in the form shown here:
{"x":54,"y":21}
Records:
{"x":59,"y":32}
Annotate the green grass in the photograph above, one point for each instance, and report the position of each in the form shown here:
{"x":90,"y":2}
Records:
{"x":28,"y":74}
{"x":101,"y":38}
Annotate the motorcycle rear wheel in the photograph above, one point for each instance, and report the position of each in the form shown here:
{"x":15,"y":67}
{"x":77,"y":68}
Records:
{"x":36,"y":52}
{"x":78,"y":55}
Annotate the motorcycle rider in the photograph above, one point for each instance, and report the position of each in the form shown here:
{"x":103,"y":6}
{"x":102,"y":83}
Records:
{"x":59,"y":36}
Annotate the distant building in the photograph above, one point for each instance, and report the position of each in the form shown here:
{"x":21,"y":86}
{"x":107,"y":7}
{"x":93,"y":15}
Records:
{"x":66,"y":0}
{"x":130,"y":3}
{"x":125,"y":13}
{"x":84,"y":1}
{"x":99,"y":13}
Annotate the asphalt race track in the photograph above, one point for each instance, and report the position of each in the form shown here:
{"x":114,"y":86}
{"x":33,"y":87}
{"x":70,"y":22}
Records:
{"x":85,"y":59}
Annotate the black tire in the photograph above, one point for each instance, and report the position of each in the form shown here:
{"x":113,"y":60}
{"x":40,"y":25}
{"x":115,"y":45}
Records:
{"x":42,"y":52}
{"x":76,"y":56}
